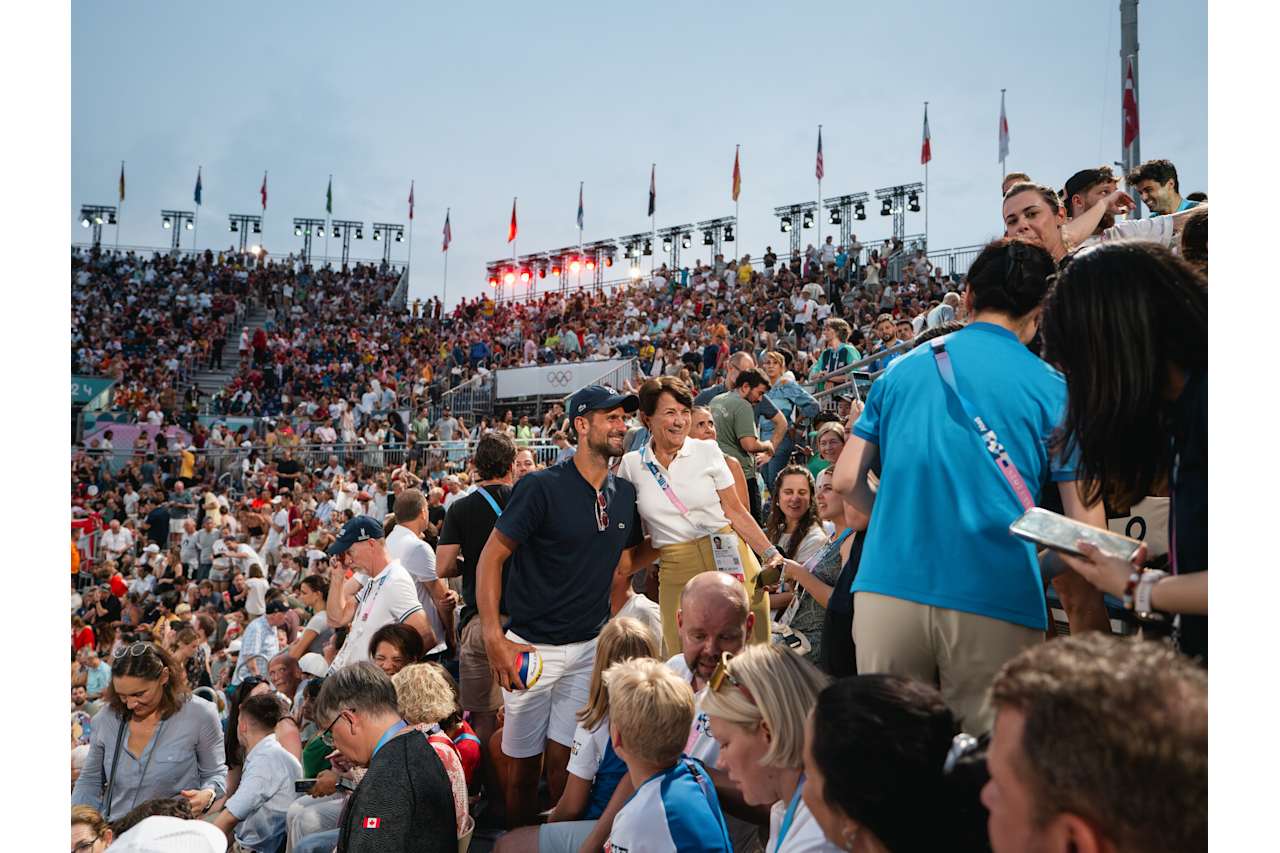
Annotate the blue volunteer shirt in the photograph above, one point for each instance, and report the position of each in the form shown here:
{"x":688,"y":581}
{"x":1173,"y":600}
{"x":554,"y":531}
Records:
{"x":939,"y":534}
{"x":557,"y":587}
{"x":675,"y":811}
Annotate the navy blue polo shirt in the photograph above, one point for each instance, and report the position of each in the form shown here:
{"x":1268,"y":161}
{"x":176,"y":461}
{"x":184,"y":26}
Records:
{"x":558,"y":579}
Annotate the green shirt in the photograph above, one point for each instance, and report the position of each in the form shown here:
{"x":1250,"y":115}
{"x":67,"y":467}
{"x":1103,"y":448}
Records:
{"x":313,"y":757}
{"x":735,"y":418}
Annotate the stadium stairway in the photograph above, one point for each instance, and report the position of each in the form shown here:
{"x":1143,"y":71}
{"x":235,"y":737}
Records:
{"x":210,"y":381}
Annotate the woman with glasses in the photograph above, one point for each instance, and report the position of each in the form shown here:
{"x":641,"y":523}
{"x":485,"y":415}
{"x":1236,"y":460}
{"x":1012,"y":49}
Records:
{"x":756,"y":705}
{"x":90,"y":832}
{"x":152,"y":739}
{"x":691,"y":511}
{"x":885,"y":771}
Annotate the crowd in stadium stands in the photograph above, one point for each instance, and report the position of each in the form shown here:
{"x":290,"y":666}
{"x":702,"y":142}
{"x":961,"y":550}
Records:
{"x":743,"y":604}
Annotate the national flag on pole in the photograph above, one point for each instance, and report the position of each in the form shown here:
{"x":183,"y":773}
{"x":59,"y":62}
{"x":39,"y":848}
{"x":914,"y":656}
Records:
{"x":328,"y":197}
{"x":122,"y":180}
{"x":448,"y":232}
{"x":1129,"y":108}
{"x":581,"y":212}
{"x":819,"y":170}
{"x":263,"y":191}
{"x":653,"y":189}
{"x":411,"y":199}
{"x":199,"y":188}
{"x":511,"y":232}
{"x":737,"y":174}
{"x":926,"y":153}
{"x":1004,"y":130}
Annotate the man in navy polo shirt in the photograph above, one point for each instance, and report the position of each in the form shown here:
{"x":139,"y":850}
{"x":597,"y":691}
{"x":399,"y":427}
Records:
{"x":564,"y":530}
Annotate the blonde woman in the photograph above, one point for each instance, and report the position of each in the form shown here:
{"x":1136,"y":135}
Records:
{"x":691,"y":510}
{"x":597,"y":785}
{"x":426,"y":695}
{"x":90,"y":832}
{"x":757,"y":703}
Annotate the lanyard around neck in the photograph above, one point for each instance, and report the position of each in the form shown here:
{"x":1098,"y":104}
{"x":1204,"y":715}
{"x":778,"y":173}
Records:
{"x":791,"y":814}
{"x":387,"y":735}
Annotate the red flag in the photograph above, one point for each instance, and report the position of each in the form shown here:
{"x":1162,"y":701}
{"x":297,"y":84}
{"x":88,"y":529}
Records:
{"x":737,"y":175}
{"x":819,"y":169}
{"x":1130,"y":106}
{"x":448,"y":232}
{"x":511,"y":232}
{"x":411,"y":199}
{"x":264,"y":191}
{"x":926,"y":153}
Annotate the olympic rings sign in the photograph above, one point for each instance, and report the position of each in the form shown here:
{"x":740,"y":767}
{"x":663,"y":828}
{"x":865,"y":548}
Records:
{"x":559,"y":378}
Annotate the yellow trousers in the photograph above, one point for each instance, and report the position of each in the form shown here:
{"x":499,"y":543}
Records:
{"x":679,"y":564}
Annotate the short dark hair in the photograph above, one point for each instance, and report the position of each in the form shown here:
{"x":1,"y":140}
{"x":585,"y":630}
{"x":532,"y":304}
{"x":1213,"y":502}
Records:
{"x":752,"y":378}
{"x":177,"y":807}
{"x":1103,"y":717}
{"x":318,"y":584}
{"x":263,"y":711}
{"x":881,"y":742}
{"x":1160,"y":171}
{"x":409,"y":505}
{"x":406,"y":640}
{"x":494,"y":456}
{"x":653,"y":389}
{"x":361,"y":686}
{"x":1083,"y":181}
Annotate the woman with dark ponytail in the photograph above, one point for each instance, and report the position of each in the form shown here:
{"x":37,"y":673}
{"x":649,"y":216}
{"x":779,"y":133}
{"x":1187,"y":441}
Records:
{"x":1127,"y":323}
{"x":959,"y":433}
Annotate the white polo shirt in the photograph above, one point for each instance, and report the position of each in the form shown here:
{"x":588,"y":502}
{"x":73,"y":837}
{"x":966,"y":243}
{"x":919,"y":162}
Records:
{"x":696,"y":475}
{"x":389,"y":597}
{"x":420,"y":562}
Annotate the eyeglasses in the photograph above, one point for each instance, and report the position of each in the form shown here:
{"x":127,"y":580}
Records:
{"x":86,"y":845}
{"x":135,"y":650}
{"x":722,"y":674}
{"x":602,"y":513}
{"x":326,"y":736}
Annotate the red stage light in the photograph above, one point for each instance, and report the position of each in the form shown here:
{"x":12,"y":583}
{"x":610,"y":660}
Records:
{"x":591,"y":264}
{"x":509,"y":278}
{"x":608,"y":261}
{"x":524,"y":276}
{"x":574,"y":265}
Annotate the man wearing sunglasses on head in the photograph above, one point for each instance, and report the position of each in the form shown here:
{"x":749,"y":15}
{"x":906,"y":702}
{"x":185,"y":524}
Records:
{"x":564,"y":529}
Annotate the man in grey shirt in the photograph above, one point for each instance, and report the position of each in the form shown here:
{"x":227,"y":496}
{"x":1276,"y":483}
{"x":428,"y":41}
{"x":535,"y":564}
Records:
{"x":256,"y":811}
{"x":204,"y":542}
{"x":943,"y":313}
{"x":446,"y":426}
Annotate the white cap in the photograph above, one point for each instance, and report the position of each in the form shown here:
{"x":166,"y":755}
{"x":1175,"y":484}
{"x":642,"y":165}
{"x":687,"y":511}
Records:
{"x":163,"y":834}
{"x":233,"y":647}
{"x":314,"y":664}
{"x":153,"y":548}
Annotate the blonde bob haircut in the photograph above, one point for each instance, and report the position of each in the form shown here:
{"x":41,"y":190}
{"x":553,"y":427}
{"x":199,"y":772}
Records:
{"x":425,"y":693}
{"x":622,"y":638}
{"x":784,"y":687}
{"x":651,"y":710}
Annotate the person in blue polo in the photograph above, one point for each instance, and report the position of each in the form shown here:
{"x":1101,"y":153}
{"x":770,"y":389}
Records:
{"x":564,"y":531}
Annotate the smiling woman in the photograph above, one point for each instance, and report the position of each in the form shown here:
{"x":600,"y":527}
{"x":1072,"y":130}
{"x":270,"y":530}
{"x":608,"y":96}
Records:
{"x":686,"y":497}
{"x":153,"y":739}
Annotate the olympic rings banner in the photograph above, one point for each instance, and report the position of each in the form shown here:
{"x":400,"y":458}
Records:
{"x":552,"y":380}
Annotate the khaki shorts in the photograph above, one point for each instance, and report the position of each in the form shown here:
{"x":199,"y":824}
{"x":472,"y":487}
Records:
{"x":477,"y":690}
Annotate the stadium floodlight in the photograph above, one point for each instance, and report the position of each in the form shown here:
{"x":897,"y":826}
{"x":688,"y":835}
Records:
{"x":85,"y":222}
{"x":807,"y":220}
{"x":257,"y":227}
{"x":240,"y":223}
{"x":608,"y":260}
{"x":297,"y":229}
{"x":666,"y":244}
{"x":913,"y":203}
{"x":728,"y":233}
{"x":168,"y":223}
{"x":860,"y":211}
{"x":399,"y":236}
{"x":707,"y":238}
{"x":336,"y":231}
{"x":319,"y":230}
{"x":93,"y":216}
{"x":786,"y":224}
{"x":648,"y":247}
{"x":509,"y":278}
{"x":574,"y":265}
{"x":833,"y":216}
{"x":886,"y":207}
{"x":233,"y":226}
{"x":310,"y":227}
{"x":189,"y":225}
{"x":176,"y":221}
{"x":686,"y":241}
{"x":377,"y":235}
{"x":897,"y":201}
{"x":591,"y":264}
{"x":359,"y":233}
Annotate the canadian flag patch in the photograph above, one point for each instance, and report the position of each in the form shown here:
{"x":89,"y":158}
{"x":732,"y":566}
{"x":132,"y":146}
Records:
{"x":372,"y":822}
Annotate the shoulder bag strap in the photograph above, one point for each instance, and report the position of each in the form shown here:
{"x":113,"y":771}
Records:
{"x":992,"y":444}
{"x":121,"y":733}
{"x":497,"y":510}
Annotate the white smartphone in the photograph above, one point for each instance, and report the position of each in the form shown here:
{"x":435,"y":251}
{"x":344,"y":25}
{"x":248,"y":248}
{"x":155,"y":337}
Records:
{"x":1051,"y":530}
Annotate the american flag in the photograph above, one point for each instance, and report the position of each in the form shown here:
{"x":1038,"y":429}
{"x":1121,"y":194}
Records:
{"x":818,"y":170}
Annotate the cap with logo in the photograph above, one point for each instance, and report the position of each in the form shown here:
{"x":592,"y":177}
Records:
{"x":596,"y":398}
{"x":358,"y":529}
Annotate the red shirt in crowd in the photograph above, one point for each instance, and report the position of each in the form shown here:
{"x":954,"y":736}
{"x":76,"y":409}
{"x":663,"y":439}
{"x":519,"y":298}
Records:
{"x":84,"y":638}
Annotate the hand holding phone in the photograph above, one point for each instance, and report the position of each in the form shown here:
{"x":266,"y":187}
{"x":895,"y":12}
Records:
{"x":1059,"y":533}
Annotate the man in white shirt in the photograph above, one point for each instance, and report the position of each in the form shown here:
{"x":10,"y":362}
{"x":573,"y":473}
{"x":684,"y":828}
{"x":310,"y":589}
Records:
{"x":254,"y":816}
{"x":389,"y":595}
{"x":715,"y":617}
{"x":279,"y":528}
{"x":945,"y":312}
{"x":828,"y":253}
{"x":405,"y":544}
{"x":116,"y":541}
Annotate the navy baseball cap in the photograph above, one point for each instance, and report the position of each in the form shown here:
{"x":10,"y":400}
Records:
{"x":358,"y":529}
{"x":595,"y":398}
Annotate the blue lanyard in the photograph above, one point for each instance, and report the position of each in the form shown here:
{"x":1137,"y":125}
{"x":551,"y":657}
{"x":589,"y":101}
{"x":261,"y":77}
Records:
{"x":790,"y":815}
{"x":497,"y":510}
{"x":386,"y":736}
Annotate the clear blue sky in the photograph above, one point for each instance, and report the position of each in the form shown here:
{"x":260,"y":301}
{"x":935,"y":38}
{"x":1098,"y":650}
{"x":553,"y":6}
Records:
{"x":482,"y":102}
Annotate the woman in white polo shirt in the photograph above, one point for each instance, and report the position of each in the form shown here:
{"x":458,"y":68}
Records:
{"x":691,"y":512}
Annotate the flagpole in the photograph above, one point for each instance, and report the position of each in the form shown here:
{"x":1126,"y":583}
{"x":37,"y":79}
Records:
{"x":195,"y":233}
{"x":926,"y":189}
{"x":514,"y":239}
{"x":444,"y":295}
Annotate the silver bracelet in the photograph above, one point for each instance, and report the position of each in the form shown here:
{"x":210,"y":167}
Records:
{"x":770,"y":552}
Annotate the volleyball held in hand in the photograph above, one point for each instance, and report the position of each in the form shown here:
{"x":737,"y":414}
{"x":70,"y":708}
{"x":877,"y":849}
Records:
{"x":529,"y":668}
